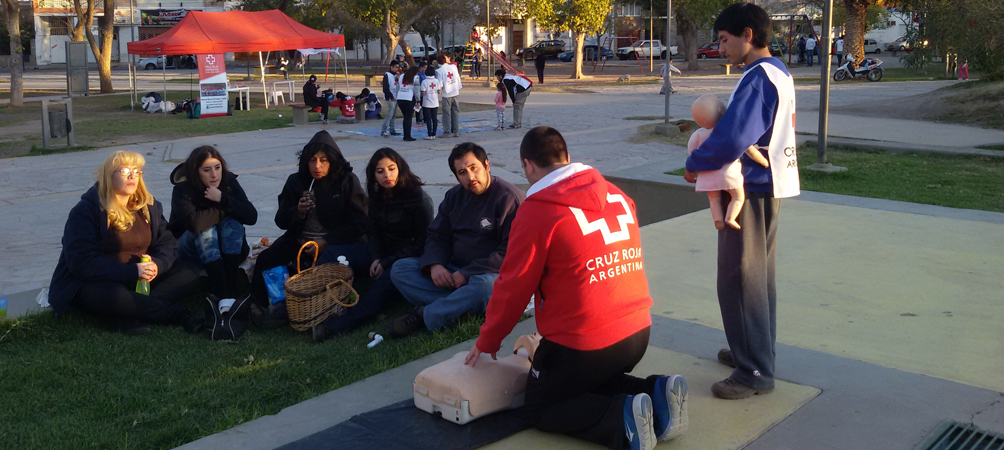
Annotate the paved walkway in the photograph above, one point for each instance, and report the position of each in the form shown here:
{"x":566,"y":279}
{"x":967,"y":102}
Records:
{"x":873,"y":377}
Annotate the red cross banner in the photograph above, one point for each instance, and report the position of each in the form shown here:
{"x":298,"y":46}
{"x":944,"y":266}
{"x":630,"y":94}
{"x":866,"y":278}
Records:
{"x":213,"y":85}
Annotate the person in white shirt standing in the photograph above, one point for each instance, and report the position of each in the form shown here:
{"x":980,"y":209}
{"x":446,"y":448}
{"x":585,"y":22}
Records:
{"x":518,"y":88}
{"x":840,"y":48}
{"x":810,"y":49}
{"x":449,"y":79}
{"x":431,"y":89}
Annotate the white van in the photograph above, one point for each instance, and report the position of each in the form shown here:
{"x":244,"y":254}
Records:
{"x":872,"y":46}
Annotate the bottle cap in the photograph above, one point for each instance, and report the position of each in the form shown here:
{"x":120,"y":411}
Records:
{"x":145,"y":259}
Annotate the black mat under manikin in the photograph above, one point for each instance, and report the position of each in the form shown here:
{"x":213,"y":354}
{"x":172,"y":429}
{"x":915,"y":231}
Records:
{"x":405,"y":427}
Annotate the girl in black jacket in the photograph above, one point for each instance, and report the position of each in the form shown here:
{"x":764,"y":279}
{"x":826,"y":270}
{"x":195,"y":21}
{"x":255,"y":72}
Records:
{"x":399,"y":215}
{"x":322,"y":202}
{"x":115,"y":225}
{"x":208,"y":212}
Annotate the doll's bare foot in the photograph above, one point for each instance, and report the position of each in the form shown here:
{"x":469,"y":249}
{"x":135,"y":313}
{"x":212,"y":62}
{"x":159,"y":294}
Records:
{"x":719,"y":225}
{"x":733,"y":224}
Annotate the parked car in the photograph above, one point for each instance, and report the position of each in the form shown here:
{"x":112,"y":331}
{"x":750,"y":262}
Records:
{"x":418,"y":51}
{"x":641,"y":49}
{"x":872,"y":46}
{"x":173,"y":62}
{"x":589,"y":53}
{"x":709,"y":50}
{"x":778,"y":48}
{"x":550,"y":48}
{"x":455,"y":51}
{"x":902,"y":44}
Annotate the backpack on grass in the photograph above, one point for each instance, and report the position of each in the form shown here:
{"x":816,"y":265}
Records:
{"x":226,"y":320}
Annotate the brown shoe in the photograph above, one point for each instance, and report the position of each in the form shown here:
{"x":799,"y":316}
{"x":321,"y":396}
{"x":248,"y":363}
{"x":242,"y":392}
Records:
{"x":407,"y":324}
{"x":725,"y":357}
{"x":732,"y":389}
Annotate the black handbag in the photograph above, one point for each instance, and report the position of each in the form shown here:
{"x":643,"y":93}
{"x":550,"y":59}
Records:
{"x":228,"y":325}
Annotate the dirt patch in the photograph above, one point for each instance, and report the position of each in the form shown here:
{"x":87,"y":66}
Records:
{"x":972,"y":103}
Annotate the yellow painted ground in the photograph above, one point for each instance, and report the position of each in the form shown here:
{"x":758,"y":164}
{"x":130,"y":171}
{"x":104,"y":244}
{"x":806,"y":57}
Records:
{"x":917,"y":293}
{"x":714,"y":423}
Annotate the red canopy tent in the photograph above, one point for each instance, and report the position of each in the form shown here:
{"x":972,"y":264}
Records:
{"x":235,"y":31}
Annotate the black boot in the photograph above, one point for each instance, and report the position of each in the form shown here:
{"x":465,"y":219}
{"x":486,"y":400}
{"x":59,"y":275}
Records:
{"x":219,"y":284}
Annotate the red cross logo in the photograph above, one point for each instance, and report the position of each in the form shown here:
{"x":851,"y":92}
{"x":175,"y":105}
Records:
{"x":211,"y":59}
{"x":449,"y":75}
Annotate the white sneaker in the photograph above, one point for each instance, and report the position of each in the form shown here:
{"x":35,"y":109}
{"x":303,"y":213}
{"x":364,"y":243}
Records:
{"x":430,"y":138}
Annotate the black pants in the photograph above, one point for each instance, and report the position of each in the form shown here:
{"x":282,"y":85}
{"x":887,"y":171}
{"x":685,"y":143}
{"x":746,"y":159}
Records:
{"x":540,"y":75}
{"x":382,"y":294}
{"x":431,"y":120}
{"x":747,"y":293}
{"x":322,"y":102}
{"x":282,"y":252}
{"x":119,"y":303}
{"x":582,"y":393}
{"x":408,"y":109}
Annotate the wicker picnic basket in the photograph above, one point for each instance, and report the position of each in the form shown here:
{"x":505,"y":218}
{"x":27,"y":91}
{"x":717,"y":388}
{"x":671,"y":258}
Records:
{"x":319,"y":292}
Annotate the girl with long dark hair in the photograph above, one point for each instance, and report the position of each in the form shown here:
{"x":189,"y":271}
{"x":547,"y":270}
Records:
{"x":406,"y":95}
{"x":209,"y":210}
{"x":400,"y":213}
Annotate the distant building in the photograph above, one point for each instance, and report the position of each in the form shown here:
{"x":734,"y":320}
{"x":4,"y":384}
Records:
{"x":54,"y":21}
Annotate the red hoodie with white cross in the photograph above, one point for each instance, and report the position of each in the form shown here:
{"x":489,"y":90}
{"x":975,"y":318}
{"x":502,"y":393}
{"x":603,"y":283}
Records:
{"x":576,"y":245}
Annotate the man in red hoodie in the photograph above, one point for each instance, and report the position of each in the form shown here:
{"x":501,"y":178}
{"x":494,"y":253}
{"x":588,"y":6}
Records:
{"x":575,"y":244}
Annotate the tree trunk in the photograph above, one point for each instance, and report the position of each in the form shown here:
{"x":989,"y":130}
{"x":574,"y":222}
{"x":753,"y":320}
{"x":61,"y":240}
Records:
{"x":103,"y":50}
{"x":13,"y":14}
{"x":580,"y":38}
{"x":688,"y":32}
{"x":854,"y":29}
{"x":390,"y":37}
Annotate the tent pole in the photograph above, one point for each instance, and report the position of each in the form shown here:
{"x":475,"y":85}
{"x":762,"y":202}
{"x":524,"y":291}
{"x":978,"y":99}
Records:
{"x":132,"y":87}
{"x":345,"y":66}
{"x":263,"y":93}
{"x":164,"y":100}
{"x":327,"y":61}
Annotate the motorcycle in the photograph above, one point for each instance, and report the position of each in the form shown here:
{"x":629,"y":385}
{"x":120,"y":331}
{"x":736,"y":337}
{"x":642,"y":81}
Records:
{"x":871,"y":69}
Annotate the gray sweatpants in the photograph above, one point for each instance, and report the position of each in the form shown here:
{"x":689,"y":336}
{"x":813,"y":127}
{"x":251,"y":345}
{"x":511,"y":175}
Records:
{"x":517,"y":107}
{"x":747,"y":292}
{"x":451,"y":116}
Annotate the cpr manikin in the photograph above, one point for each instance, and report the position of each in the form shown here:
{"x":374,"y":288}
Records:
{"x":707,"y":110}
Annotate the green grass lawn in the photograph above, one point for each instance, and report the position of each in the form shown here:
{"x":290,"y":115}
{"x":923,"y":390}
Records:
{"x":69,"y":384}
{"x":956,"y":181}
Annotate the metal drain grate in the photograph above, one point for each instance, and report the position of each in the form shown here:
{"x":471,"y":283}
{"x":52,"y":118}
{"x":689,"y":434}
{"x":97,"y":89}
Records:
{"x":952,"y":435}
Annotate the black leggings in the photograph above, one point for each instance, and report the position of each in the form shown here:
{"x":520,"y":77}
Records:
{"x":322,"y":102}
{"x":408,"y":109}
{"x":116,"y":301}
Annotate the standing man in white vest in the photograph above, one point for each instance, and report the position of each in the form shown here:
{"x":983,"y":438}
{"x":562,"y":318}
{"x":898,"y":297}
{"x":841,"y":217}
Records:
{"x":761,"y":112}
{"x":449,"y":79}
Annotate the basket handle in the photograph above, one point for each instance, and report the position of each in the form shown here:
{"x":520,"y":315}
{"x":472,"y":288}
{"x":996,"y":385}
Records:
{"x":317,"y":249}
{"x":330,"y":286}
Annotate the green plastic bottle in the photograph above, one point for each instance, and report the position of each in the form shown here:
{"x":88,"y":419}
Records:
{"x":143,"y":286}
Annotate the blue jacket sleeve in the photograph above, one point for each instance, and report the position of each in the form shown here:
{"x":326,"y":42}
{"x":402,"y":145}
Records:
{"x":749,"y":116}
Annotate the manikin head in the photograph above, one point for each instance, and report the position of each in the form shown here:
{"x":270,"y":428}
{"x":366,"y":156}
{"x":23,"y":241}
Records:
{"x":707,"y":110}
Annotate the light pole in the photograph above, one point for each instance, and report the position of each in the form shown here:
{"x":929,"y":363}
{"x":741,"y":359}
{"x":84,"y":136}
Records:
{"x":824,"y":92}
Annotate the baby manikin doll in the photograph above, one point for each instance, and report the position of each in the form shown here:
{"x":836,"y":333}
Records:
{"x":707,"y":110}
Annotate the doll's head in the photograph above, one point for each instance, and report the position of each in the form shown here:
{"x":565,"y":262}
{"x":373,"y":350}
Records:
{"x":707,"y":109}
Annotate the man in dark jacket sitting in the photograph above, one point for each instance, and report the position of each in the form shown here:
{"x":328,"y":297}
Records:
{"x":312,"y":97}
{"x":464,"y":249}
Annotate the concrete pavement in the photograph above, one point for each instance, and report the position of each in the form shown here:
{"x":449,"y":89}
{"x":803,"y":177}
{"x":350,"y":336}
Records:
{"x":850,"y":270}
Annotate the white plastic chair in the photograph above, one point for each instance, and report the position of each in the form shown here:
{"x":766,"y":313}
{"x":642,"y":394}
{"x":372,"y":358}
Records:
{"x":276,"y":96}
